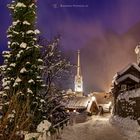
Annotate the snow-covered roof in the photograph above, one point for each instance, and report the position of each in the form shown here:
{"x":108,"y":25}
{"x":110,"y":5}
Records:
{"x":127,"y":67}
{"x":117,"y":81}
{"x":78,"y":102}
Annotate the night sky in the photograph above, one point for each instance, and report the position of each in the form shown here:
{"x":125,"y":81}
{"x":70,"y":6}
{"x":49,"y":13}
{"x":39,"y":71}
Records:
{"x":106,"y":32}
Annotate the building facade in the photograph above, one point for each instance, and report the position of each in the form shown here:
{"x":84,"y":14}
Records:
{"x":126,"y":91}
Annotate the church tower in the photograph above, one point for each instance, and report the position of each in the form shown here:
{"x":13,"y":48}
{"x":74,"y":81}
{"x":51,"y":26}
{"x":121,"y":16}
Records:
{"x":78,"y":78}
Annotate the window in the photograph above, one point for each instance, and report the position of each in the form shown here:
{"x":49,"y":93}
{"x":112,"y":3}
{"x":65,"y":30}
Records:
{"x":123,"y":87}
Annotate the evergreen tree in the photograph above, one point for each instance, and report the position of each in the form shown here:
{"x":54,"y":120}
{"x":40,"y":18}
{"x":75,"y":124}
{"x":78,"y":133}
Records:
{"x":22,"y":69}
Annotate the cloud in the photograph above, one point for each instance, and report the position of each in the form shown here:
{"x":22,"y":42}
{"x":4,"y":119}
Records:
{"x":104,"y":33}
{"x":103,"y":53}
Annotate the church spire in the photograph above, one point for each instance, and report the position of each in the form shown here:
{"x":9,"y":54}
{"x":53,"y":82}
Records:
{"x":78,"y":64}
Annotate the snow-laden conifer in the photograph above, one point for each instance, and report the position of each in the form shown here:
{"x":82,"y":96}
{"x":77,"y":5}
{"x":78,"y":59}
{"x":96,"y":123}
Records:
{"x":21,"y":71}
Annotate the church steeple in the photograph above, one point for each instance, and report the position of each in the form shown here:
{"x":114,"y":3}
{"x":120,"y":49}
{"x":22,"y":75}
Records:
{"x":78,"y":76}
{"x":78,"y":64}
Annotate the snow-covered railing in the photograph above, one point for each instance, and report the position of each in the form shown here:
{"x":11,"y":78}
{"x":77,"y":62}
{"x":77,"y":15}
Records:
{"x":57,"y":129}
{"x":60,"y":123}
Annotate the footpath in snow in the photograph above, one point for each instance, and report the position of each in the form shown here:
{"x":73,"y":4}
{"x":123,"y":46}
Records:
{"x":97,"y":128}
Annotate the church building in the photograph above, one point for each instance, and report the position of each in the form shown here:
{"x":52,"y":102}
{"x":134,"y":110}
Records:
{"x":78,"y":78}
{"x":76,"y":100}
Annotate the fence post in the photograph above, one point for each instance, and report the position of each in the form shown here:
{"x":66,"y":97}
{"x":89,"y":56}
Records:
{"x":58,"y":132}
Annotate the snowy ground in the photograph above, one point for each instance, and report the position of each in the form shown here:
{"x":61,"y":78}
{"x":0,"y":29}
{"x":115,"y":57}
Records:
{"x":129,"y":127}
{"x":97,"y":128}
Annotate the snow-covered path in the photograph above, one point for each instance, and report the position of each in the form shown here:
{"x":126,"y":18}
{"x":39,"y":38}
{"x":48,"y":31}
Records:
{"x":98,"y":128}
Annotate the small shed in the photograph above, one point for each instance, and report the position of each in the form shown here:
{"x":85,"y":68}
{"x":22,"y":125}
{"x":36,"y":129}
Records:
{"x":81,"y":104}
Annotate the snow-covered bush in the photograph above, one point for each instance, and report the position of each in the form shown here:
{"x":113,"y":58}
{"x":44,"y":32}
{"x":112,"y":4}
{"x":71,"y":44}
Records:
{"x":43,"y":126}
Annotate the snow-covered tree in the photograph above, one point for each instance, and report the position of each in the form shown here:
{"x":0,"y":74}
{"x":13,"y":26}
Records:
{"x":0,"y":82}
{"x":22,"y":69}
{"x":56,"y":66}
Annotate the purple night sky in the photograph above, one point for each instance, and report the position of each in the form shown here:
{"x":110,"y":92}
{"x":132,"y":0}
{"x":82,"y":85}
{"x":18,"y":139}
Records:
{"x":106,"y":31}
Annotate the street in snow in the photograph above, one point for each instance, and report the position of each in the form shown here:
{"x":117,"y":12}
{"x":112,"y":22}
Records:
{"x":97,"y":128}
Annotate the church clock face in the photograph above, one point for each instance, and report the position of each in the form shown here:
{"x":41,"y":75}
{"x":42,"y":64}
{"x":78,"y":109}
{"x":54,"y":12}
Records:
{"x":79,"y":84}
{"x":79,"y":80}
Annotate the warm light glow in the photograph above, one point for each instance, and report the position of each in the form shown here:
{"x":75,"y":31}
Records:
{"x":109,"y":103}
{"x":93,"y":98}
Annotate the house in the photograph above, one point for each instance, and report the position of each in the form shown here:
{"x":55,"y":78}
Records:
{"x":126,"y":92}
{"x":127,"y":79}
